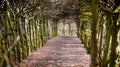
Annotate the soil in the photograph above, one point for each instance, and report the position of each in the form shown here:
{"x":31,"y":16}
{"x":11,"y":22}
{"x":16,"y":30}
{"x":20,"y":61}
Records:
{"x":62,"y":51}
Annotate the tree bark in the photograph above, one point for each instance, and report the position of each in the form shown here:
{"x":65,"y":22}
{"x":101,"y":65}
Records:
{"x":107,"y":40}
{"x":94,"y":47}
{"x":114,"y":50}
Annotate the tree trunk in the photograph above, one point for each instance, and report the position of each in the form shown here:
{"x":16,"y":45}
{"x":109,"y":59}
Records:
{"x":114,"y":50}
{"x":107,"y":40}
{"x":94,"y":47}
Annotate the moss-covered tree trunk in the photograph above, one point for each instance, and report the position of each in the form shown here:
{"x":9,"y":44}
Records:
{"x":94,"y":47}
{"x":107,"y":40}
{"x":114,"y":44}
{"x":55,"y":27}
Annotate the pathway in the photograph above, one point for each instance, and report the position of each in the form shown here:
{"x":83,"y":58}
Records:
{"x":59,"y":52}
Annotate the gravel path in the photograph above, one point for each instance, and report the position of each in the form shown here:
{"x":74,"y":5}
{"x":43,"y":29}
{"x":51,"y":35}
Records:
{"x":59,"y":52}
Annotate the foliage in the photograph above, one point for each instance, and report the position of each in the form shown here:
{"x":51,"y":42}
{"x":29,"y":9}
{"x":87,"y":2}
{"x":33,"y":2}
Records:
{"x":26,"y":25}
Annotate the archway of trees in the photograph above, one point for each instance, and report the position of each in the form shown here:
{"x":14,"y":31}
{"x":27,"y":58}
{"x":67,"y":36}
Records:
{"x":26,"y":25}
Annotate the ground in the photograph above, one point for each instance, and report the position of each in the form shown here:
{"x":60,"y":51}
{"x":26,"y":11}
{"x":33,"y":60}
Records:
{"x":59,"y":52}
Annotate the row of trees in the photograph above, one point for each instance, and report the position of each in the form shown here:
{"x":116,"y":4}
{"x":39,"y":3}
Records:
{"x":24,"y":26}
{"x":98,"y":25}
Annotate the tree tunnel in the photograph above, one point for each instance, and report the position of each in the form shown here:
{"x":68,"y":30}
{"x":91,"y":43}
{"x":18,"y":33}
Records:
{"x":26,"y":25}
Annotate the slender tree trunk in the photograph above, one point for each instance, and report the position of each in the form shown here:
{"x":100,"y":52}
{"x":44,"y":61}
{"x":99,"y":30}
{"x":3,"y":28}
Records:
{"x":78,"y":27}
{"x":94,"y":46}
{"x":107,"y":40}
{"x":101,"y":40}
{"x":70,"y":30}
{"x":63,"y":31}
{"x":114,"y":50}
